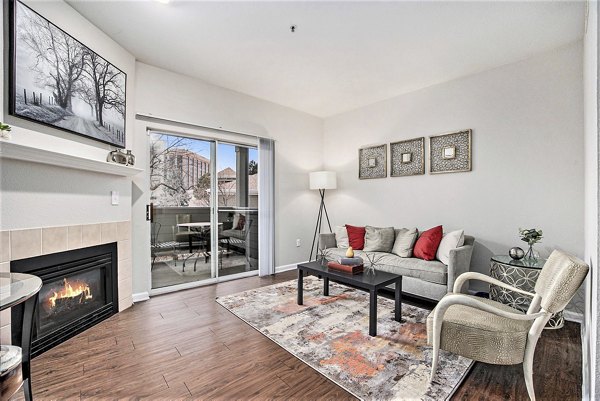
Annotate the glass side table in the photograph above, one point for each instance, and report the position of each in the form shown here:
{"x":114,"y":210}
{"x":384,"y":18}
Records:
{"x":16,"y":288}
{"x":522,"y":274}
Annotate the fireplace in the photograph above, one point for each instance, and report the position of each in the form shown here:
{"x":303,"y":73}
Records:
{"x":79,"y":290}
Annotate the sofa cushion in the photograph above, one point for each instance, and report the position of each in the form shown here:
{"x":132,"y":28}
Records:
{"x":341,"y":237}
{"x":432,"y":271}
{"x":405,"y":241}
{"x":356,"y":236}
{"x":379,"y":239}
{"x":451,"y":240}
{"x":428,"y":243}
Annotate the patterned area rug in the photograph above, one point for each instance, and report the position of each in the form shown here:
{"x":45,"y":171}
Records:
{"x":330,"y":334}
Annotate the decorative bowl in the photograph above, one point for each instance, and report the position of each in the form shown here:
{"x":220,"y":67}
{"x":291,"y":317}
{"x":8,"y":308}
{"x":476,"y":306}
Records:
{"x":516,"y":253}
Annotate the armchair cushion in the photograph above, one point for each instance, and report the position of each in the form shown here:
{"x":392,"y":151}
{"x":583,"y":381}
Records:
{"x":481,"y":335}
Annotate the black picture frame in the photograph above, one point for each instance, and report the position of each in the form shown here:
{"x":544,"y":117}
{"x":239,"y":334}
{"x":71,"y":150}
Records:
{"x":53,"y":110}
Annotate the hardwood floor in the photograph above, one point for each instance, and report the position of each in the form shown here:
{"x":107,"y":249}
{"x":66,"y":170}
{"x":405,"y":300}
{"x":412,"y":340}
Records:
{"x":186,"y":346}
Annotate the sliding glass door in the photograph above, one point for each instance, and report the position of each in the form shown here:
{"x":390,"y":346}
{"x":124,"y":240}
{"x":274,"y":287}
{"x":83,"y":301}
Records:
{"x":203,"y":211}
{"x":237,"y":208}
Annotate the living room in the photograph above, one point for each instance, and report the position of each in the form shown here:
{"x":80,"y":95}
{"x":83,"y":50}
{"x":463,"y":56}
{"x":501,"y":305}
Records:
{"x":362,"y":91}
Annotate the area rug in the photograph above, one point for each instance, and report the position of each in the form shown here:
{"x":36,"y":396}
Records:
{"x":330,"y":334}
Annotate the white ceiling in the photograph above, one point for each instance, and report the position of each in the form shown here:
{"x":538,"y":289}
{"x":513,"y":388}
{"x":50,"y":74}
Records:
{"x":344,"y":55}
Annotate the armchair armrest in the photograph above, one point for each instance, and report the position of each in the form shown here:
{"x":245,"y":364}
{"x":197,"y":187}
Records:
{"x":458,"y":284}
{"x":461,"y":299}
{"x":459,"y":263}
{"x":327,"y":240}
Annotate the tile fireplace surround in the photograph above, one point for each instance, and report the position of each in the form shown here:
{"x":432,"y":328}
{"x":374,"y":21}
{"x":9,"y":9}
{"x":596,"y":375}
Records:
{"x":21,"y":244}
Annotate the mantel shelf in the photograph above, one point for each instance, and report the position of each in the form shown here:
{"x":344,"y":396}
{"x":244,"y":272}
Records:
{"x":10,"y":150}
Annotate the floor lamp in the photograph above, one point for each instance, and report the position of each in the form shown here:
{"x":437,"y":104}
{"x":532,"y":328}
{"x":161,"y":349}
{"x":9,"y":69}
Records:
{"x":321,"y":180}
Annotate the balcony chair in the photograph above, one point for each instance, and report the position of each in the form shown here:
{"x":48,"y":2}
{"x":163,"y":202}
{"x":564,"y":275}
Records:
{"x":160,"y":248}
{"x":490,"y":332}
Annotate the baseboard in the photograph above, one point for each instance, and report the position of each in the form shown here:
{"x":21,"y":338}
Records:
{"x":284,"y":268}
{"x":573,"y":316}
{"x":140,"y":297}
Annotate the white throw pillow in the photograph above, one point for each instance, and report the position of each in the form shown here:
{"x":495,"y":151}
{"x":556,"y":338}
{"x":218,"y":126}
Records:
{"x":341,"y":237}
{"x":450,"y":240}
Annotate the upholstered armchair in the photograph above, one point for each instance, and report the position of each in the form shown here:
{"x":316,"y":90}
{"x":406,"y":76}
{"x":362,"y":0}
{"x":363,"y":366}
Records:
{"x":490,"y":332}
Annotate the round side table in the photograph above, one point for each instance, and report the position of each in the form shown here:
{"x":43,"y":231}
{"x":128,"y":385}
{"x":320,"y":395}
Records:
{"x":17,"y":288}
{"x":522,"y":274}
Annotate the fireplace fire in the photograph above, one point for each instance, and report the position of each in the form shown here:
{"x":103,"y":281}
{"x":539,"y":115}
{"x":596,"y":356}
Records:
{"x":79,"y":289}
{"x":70,"y":295}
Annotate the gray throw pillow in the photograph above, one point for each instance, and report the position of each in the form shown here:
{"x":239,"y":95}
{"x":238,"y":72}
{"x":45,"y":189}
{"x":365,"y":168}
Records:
{"x":379,"y":239}
{"x":405,"y":241}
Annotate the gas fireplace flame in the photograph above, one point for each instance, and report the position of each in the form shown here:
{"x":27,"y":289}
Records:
{"x":77,"y":290}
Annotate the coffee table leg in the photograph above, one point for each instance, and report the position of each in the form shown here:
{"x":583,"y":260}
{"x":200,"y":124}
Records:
{"x":373,"y":314}
{"x":300,"y":288}
{"x":398,"y":299}
{"x":326,"y":286}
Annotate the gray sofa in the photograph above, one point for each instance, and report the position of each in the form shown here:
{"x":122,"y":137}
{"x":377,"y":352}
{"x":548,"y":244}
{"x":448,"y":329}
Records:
{"x":427,"y":279}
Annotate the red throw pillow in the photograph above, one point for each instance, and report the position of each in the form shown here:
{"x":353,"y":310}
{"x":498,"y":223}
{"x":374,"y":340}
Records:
{"x":428,"y":243}
{"x":356,"y":237}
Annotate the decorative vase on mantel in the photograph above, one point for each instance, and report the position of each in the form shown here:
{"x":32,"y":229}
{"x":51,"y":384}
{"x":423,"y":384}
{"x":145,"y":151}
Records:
{"x":5,"y":131}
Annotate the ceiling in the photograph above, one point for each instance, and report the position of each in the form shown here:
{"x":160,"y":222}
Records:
{"x":343,"y":55}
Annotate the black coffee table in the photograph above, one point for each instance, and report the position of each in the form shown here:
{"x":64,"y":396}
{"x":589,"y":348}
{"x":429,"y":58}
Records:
{"x":366,"y":282}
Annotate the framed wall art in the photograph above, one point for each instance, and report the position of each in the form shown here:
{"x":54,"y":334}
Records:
{"x":450,"y":153}
{"x":372,"y":162}
{"x":57,"y":81}
{"x":407,"y":157}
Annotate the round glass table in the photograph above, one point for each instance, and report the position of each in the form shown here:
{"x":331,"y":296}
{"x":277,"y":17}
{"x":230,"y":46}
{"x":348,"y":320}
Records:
{"x":15,"y":289}
{"x":522,"y":274}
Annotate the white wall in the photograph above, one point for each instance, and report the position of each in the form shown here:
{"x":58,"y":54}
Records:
{"x":297,"y":144}
{"x":527,"y":127}
{"x":591,"y":344}
{"x":35,"y":195}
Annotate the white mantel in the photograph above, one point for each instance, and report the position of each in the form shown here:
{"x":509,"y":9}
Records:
{"x":11,"y":150}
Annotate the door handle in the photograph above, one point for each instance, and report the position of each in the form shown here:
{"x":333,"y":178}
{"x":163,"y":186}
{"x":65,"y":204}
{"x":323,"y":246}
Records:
{"x":150,"y":213}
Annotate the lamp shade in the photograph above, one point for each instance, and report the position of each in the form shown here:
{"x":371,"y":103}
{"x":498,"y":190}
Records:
{"x":323,"y":180}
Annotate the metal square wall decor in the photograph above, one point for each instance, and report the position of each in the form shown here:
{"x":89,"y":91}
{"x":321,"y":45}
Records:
{"x":450,"y":153}
{"x":57,"y":81}
{"x":372,"y":162}
{"x":408,"y":157}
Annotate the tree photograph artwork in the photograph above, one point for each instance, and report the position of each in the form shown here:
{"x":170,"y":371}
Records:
{"x":58,"y":81}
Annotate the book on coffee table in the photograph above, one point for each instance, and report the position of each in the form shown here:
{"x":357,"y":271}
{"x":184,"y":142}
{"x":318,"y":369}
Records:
{"x":354,"y":269}
{"x":357,"y":260}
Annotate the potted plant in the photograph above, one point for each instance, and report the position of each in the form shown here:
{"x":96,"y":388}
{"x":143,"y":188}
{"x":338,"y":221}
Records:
{"x":532,"y":236}
{"x":4,"y":131}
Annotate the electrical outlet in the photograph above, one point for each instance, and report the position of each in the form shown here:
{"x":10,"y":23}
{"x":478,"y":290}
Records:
{"x":298,"y":242}
{"x":114,"y":198}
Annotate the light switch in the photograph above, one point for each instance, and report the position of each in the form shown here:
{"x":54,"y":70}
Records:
{"x":114,"y":197}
